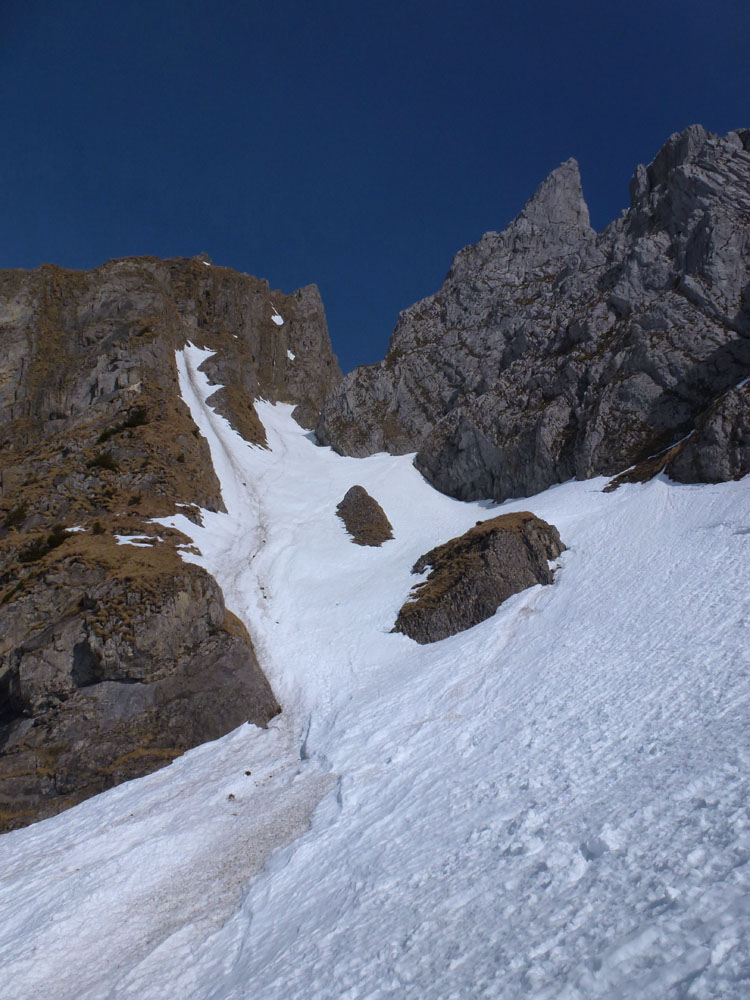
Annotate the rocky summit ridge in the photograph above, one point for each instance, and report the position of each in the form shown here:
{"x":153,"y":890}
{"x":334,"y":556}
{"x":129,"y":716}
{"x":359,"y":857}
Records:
{"x":553,"y":351}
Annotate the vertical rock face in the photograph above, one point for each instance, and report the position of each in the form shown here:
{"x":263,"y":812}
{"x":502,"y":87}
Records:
{"x":719,"y":448}
{"x":115,"y":658}
{"x":552,"y":351}
{"x":72,"y":339}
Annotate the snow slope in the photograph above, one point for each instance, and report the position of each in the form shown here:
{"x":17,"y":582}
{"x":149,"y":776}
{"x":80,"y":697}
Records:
{"x":553,"y":804}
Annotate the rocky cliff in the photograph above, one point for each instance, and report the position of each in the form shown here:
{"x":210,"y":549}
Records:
{"x":115,"y":655}
{"x":553,"y":351}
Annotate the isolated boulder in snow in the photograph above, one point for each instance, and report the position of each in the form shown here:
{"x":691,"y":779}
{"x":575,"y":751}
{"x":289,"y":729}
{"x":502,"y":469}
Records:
{"x":364,"y":518}
{"x":470,"y":576}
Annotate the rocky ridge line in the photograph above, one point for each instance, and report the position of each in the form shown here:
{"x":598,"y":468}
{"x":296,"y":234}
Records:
{"x":553,"y":351}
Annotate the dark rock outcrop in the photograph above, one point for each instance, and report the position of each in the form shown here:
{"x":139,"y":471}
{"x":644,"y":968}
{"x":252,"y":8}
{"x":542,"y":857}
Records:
{"x":364,"y":518}
{"x":719,"y":448}
{"x":470,"y":576}
{"x":115,"y":658}
{"x":552,"y":351}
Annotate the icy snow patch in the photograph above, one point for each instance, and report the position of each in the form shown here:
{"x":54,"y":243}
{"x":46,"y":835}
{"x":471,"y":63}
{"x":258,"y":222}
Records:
{"x":140,"y":540}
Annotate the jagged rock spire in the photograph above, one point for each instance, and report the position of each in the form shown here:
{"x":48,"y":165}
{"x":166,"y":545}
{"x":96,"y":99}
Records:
{"x":558,"y":201}
{"x":553,"y":222}
{"x":552,"y":351}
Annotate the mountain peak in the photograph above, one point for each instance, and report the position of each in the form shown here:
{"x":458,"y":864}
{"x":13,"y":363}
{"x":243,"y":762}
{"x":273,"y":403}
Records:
{"x":558,"y":200}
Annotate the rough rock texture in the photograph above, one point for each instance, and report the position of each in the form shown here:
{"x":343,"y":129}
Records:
{"x":115,"y":658}
{"x":72,"y":338}
{"x":112,"y":665}
{"x":364,"y":518}
{"x":552,"y":351}
{"x":719,"y":449}
{"x":470,"y":576}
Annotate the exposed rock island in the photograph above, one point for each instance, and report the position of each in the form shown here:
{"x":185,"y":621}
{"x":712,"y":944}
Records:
{"x":472,"y":575}
{"x":364,"y":518}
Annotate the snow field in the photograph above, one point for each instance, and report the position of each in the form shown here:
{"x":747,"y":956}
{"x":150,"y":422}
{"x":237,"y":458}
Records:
{"x":553,"y":804}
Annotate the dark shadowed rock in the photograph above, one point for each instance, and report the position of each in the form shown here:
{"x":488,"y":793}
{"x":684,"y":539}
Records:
{"x":716,"y":451}
{"x":553,"y":351}
{"x":719,"y":449}
{"x":306,"y":414}
{"x":470,"y":576}
{"x":364,"y":518}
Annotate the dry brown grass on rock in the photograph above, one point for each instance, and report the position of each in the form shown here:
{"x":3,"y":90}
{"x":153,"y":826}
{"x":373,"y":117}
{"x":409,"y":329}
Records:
{"x":364,"y":518}
{"x":646,"y":470}
{"x":471,"y":575}
{"x":124,"y":655}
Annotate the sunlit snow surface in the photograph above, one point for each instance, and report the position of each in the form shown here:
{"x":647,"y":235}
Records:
{"x":553,"y":804}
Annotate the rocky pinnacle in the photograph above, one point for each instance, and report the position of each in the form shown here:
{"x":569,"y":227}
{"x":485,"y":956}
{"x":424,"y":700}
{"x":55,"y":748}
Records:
{"x":552,"y":351}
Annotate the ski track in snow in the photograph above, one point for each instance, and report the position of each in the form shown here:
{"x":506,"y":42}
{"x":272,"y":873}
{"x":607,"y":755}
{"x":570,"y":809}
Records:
{"x":551,"y":805}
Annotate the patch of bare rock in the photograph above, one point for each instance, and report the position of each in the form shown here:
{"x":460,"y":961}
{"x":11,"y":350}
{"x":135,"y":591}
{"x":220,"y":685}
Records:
{"x":364,"y":518}
{"x":473,"y":574}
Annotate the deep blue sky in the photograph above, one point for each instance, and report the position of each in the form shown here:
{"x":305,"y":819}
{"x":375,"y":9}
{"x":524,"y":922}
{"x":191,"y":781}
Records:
{"x":353,"y":144}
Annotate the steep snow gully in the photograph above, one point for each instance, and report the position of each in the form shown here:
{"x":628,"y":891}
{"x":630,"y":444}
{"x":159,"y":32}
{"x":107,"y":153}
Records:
{"x":553,"y":804}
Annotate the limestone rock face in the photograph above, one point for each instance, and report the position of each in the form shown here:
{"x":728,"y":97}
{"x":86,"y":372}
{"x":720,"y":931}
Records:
{"x":470,"y":576}
{"x":115,"y":658}
{"x":364,"y":518}
{"x":719,"y":449}
{"x":553,"y":351}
